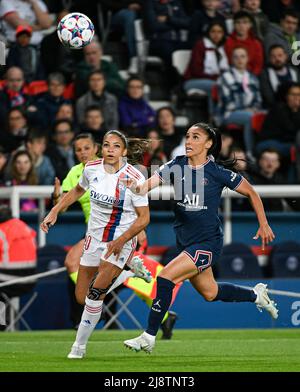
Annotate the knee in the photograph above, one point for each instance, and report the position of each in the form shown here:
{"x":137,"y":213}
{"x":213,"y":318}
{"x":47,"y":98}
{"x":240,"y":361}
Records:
{"x":210,"y":295}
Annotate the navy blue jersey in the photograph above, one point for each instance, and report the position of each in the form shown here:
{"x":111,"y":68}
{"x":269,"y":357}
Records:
{"x":197,"y":194}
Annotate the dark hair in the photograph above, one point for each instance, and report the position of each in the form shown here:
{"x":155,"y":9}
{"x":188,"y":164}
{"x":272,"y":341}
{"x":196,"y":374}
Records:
{"x":132,"y":78}
{"x":214,"y":135}
{"x":61,"y":121}
{"x":292,"y":13}
{"x":35,"y":134}
{"x":97,"y":72}
{"x":271,"y":151}
{"x":92,"y":108}
{"x":31,"y":176}
{"x":276,"y":46}
{"x":243,"y":14}
{"x":135,"y":146}
{"x":216,"y":22}
{"x":287,"y":86}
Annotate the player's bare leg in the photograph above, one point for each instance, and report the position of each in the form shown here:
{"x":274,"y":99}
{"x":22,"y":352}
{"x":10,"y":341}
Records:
{"x":97,"y":290}
{"x":206,"y":285}
{"x":176,"y":271}
{"x":85,"y":276}
{"x":73,"y":259}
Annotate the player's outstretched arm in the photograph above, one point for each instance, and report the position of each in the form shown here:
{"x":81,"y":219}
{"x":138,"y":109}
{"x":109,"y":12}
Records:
{"x":264,"y":231}
{"x":145,"y":187}
{"x":65,"y":202}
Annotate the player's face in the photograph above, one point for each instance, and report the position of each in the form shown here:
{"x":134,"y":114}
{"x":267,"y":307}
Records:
{"x":113,"y":150}
{"x":197,"y":142}
{"x":85,"y":150}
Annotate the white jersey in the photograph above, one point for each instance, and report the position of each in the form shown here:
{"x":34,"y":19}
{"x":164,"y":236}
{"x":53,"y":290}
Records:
{"x":112,"y":203}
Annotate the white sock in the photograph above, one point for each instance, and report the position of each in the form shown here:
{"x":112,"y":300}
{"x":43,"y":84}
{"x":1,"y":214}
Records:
{"x":121,"y":279}
{"x":89,"y":319}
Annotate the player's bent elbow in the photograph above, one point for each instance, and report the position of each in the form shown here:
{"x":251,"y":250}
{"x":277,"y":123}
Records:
{"x":209,"y":296}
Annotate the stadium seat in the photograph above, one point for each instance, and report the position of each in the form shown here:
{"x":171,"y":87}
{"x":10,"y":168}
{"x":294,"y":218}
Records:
{"x":284,"y":260}
{"x":51,"y":257}
{"x":180,"y":60}
{"x":238,"y":262}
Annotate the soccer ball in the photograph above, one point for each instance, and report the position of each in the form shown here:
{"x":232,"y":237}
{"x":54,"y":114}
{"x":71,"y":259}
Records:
{"x":75,"y":30}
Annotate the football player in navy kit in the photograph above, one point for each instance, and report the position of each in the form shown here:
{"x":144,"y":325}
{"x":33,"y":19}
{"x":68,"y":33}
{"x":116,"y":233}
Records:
{"x":198,"y":183}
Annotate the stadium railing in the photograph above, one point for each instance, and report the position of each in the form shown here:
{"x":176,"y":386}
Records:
{"x":165,"y":192}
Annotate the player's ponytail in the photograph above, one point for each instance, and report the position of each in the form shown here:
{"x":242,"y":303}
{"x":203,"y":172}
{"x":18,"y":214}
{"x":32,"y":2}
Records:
{"x":135,"y":147}
{"x":214,"y":151}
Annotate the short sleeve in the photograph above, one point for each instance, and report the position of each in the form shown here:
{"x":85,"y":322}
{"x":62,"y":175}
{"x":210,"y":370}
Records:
{"x":165,"y":172}
{"x":84,"y":181}
{"x":139,"y":200}
{"x":229,"y":178}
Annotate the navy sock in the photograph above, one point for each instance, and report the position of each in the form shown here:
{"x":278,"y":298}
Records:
{"x":228,"y":292}
{"x":160,"y":304}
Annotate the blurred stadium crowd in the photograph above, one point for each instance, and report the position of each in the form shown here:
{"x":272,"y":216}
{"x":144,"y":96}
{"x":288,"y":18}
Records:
{"x":238,"y":67}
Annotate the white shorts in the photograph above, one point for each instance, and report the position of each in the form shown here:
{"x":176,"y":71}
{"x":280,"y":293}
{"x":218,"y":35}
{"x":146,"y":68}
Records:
{"x":94,"y":251}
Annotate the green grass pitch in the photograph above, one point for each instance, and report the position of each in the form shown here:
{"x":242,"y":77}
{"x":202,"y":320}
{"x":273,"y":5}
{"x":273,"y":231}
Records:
{"x":189,"y":350}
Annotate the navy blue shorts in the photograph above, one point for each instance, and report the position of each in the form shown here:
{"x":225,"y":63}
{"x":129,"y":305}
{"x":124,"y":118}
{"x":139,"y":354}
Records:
{"x":203,"y":255}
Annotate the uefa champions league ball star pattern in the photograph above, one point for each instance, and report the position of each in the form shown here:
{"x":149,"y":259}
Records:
{"x":75,"y":30}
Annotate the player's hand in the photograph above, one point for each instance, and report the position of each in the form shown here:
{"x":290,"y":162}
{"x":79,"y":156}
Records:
{"x":130,"y":183}
{"x":49,"y":221}
{"x":266,"y":234}
{"x":114,"y":247}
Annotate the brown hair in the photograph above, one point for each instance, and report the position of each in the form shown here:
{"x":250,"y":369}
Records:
{"x":135,"y":146}
{"x":31,"y":176}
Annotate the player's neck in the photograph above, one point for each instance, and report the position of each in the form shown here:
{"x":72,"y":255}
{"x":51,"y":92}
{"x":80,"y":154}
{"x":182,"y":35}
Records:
{"x":197,"y":160}
{"x":112,"y":169}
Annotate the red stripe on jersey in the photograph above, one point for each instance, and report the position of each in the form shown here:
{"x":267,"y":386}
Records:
{"x":113,"y":216}
{"x":133,"y":170}
{"x":133,"y":174}
{"x":92,"y":163}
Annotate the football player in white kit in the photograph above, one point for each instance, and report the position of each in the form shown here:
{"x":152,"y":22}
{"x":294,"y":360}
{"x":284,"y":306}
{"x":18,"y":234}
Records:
{"x":117,"y":216}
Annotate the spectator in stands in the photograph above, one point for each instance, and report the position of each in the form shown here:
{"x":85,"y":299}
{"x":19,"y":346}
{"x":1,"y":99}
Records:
{"x":164,"y":21}
{"x":3,"y":163}
{"x":242,"y":167}
{"x":14,"y":134}
{"x":286,"y":34}
{"x":240,"y":97}
{"x":31,"y":13}
{"x":64,"y":59}
{"x":276,"y":8}
{"x":96,"y":95}
{"x":135,"y":114}
{"x":48,"y":103}
{"x":25,"y":56}
{"x":282,"y":123}
{"x":276,"y":75}
{"x":229,"y":7}
{"x":61,"y":151}
{"x":36,"y":146}
{"x":93,"y":62}
{"x":203,"y":18}
{"x":65,"y":111}
{"x":165,"y":118}
{"x":261,"y":20}
{"x":207,"y":62}
{"x":227,"y":142}
{"x":243,"y":36}
{"x":94,"y":123}
{"x":268,"y":173}
{"x":14,"y":93}
{"x":22,"y":172}
{"x":155,"y":155}
{"x":124,"y":13}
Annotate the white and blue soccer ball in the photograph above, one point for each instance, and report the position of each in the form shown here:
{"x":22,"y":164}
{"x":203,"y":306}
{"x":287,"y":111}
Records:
{"x":75,"y":30}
